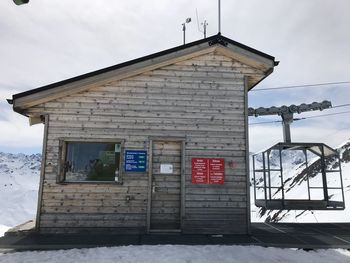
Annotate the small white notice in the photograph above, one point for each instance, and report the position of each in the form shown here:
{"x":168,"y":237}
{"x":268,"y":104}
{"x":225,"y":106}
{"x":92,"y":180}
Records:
{"x":166,"y":168}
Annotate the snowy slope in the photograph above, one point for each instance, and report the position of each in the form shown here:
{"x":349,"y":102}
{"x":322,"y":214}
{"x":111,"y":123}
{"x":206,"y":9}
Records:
{"x":19,"y":183}
{"x":297,"y":188}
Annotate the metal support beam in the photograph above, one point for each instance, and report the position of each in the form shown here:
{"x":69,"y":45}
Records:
{"x":287,"y":121}
{"x":281,"y":173}
{"x":307,"y":174}
{"x":324,"y":174}
{"x":287,"y":112}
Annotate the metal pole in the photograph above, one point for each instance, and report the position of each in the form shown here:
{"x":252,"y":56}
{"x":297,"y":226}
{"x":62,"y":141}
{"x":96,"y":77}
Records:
{"x":254,"y":180}
{"x":219,"y":16}
{"x":307,"y":174}
{"x":281,"y":172}
{"x":324,"y":175}
{"x":269,"y":173}
{"x":287,"y":119}
{"x":264,"y":173}
{"x":341,"y":180}
{"x":184,"y":32}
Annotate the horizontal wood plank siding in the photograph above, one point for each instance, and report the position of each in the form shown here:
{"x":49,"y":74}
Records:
{"x":201,"y":99}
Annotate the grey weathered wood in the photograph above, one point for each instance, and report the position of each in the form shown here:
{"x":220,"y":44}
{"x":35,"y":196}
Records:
{"x":103,"y":78}
{"x":197,"y":104}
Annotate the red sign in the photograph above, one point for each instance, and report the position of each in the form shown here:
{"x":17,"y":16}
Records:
{"x":208,"y":171}
{"x":216,"y":171}
{"x":199,"y":171}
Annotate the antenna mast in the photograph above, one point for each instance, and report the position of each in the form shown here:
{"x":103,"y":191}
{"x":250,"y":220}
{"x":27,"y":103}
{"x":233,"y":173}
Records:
{"x":219,"y":10}
{"x":204,"y":24}
{"x":205,"y":28}
{"x":188,"y":20}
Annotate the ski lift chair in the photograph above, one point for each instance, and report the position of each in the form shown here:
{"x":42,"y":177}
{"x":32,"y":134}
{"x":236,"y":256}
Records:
{"x":317,"y":171}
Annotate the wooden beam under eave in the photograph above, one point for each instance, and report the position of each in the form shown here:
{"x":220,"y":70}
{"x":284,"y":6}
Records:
{"x":249,"y":59}
{"x":35,"y":120}
{"x":253,"y":80}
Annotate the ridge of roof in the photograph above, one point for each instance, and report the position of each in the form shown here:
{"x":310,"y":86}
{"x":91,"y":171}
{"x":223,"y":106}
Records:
{"x":212,"y":40}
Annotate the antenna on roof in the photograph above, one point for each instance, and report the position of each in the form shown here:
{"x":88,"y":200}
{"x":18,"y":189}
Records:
{"x":204,"y":24}
{"x":219,"y":15}
{"x":188,"y":20}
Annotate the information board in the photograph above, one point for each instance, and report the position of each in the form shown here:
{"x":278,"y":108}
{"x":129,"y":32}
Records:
{"x":135,"y":161}
{"x":216,"y":171}
{"x":199,"y":171}
{"x":208,"y":170}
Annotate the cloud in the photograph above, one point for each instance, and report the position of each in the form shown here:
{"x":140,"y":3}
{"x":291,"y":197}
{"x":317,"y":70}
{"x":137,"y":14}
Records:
{"x":48,"y":41}
{"x":18,"y":134}
{"x":264,"y":136}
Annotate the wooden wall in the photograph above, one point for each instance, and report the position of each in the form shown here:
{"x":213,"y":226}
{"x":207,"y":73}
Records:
{"x":201,"y":99}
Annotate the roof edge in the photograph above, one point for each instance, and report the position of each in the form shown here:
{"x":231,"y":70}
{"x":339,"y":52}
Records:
{"x":212,"y":40}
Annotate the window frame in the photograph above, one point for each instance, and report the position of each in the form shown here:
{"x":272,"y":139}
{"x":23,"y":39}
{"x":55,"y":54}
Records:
{"x":63,"y":146}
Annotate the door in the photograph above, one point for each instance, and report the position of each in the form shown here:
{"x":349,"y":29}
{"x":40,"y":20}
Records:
{"x":166,"y":186}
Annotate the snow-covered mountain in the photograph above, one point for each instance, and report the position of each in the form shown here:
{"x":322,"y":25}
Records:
{"x":295,"y":178}
{"x":19,"y":183}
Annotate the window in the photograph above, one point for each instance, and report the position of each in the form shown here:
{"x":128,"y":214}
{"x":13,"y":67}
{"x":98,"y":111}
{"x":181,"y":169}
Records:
{"x":91,"y":161}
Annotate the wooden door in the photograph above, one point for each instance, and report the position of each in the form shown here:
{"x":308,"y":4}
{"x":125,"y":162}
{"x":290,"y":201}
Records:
{"x":166,"y":185}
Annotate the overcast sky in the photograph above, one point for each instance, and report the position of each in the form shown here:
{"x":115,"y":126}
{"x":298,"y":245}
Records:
{"x":48,"y":41}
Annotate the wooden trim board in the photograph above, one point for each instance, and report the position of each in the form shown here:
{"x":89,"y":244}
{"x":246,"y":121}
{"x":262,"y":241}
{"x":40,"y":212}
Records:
{"x":42,"y":173}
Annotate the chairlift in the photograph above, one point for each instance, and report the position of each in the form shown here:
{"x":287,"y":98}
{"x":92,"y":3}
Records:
{"x":318,"y":171}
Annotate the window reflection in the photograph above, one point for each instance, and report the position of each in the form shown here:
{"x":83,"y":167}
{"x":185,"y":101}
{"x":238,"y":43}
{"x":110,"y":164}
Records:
{"x":87,"y":161}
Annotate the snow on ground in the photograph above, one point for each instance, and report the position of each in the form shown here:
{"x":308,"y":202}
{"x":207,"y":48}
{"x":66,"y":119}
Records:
{"x":174,"y":254}
{"x":19,"y":183}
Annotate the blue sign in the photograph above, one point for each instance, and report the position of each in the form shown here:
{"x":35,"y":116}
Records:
{"x":135,"y":161}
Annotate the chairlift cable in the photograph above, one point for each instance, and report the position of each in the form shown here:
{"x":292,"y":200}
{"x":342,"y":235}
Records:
{"x":332,"y":133}
{"x":322,"y":115}
{"x":303,"y":118}
{"x":263,"y":122}
{"x":339,"y":106}
{"x":303,"y":86}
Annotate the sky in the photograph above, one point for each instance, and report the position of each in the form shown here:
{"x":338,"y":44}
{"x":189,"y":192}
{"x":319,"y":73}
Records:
{"x":47,"y":41}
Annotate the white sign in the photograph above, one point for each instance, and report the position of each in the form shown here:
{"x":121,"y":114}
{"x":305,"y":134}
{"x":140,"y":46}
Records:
{"x":166,"y":168}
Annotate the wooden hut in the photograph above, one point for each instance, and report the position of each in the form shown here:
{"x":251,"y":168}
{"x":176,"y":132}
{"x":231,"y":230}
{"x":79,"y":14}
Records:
{"x":159,"y":143}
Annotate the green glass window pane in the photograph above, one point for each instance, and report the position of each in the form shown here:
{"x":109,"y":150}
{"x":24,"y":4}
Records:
{"x":86,"y":161}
